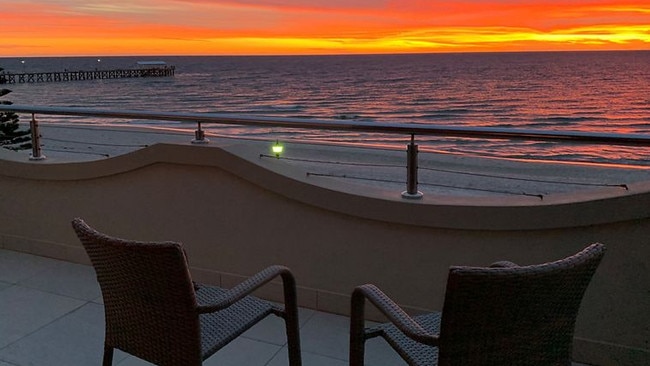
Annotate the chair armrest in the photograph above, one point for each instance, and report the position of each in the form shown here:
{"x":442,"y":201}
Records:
{"x":503,"y":264}
{"x":251,"y":284}
{"x":394,"y":312}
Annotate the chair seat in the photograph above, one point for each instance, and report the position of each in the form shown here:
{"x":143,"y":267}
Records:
{"x":221,"y":327}
{"x":416,"y":354}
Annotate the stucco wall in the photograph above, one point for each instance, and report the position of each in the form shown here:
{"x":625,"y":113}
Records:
{"x":236,"y":214}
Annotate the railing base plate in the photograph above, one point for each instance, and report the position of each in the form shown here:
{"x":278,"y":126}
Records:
{"x":36,"y":158}
{"x":412,"y":196}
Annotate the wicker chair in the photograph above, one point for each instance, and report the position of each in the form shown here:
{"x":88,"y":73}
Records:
{"x":154,"y":311}
{"x":502,"y":315}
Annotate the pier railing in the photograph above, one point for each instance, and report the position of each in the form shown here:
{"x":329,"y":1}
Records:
{"x":407,"y":129}
{"x":60,"y":76}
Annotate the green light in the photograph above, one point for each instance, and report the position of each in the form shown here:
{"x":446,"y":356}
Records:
{"x":277,"y":149}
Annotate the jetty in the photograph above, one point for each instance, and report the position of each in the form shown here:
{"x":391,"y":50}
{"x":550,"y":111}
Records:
{"x":61,"y":76}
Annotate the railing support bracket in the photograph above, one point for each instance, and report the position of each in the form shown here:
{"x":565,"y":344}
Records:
{"x":36,"y":141}
{"x":412,"y":171}
{"x":199,"y":136}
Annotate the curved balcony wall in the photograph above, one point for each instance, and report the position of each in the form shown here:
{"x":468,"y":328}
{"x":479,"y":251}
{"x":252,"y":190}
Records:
{"x":236,"y":213}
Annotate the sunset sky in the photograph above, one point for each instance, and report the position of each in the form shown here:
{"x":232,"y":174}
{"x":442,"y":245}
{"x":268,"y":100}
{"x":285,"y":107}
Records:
{"x":259,"y":27}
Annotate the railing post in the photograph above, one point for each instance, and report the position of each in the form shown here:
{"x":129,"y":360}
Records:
{"x":36,"y":141}
{"x":199,"y":136}
{"x":412,"y":171}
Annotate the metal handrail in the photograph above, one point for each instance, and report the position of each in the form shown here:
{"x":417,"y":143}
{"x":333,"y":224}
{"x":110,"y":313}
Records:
{"x":343,"y":125}
{"x":411,"y":129}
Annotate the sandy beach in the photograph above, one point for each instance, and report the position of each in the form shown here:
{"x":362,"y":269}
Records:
{"x":446,"y":174}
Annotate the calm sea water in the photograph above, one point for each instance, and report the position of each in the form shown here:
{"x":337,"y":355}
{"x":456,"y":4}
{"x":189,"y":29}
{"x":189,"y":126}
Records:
{"x":585,"y":91}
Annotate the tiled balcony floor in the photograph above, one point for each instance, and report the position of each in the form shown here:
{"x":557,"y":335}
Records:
{"x":51,"y":314}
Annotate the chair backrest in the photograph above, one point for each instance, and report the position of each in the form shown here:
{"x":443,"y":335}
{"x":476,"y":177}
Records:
{"x":517,"y":315}
{"x":148,"y":294}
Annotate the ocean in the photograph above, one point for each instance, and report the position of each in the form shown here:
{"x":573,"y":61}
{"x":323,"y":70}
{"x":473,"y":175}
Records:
{"x":572,"y":91}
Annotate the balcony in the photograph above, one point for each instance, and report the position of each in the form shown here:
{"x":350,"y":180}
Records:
{"x":51,"y":314}
{"x":236,"y":212}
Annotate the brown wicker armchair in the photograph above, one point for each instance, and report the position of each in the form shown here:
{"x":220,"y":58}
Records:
{"x":502,"y":315}
{"x":154,"y":311}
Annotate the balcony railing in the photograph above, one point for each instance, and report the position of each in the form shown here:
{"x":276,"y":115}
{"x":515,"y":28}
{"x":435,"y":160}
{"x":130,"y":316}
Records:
{"x":406,"y":129}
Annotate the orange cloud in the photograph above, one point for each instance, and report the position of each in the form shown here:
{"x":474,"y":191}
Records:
{"x":157,"y":27}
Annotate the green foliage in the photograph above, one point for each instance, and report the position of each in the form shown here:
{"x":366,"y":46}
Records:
{"x":11,"y":137}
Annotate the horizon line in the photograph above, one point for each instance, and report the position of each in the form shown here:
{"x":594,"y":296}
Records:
{"x":333,"y":54}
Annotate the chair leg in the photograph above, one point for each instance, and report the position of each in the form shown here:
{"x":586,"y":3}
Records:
{"x":357,"y":330}
{"x":293,"y":340}
{"x":357,"y":347}
{"x":108,"y":356}
{"x":291,"y":319}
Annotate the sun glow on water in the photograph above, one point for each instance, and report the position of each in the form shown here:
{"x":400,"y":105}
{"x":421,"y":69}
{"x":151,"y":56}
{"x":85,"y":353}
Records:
{"x":582,"y":91}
